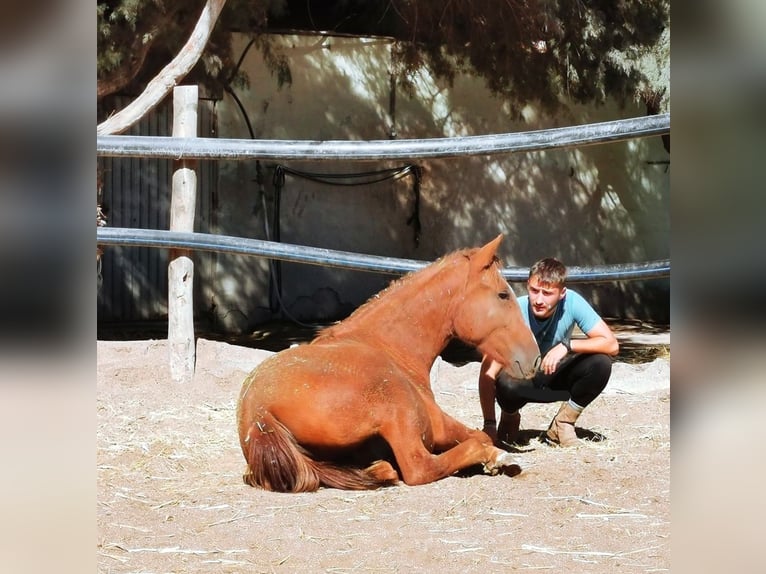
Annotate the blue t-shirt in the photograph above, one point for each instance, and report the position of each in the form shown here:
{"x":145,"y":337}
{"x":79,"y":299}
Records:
{"x":572,"y":310}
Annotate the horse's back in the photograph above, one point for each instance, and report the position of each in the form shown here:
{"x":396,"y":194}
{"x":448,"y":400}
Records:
{"x":311,"y":368}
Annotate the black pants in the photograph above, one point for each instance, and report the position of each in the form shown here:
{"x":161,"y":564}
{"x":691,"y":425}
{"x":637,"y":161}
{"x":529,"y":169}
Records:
{"x":580,"y":377}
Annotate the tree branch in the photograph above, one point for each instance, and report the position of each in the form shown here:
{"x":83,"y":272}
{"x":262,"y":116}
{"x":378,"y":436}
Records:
{"x":169,"y":76}
{"x":125,"y":74}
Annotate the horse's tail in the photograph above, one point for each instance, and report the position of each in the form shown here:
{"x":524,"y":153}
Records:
{"x":275,"y":461}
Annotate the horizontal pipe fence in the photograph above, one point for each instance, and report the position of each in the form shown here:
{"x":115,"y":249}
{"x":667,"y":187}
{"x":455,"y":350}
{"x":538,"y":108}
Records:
{"x":346,"y":260}
{"x":188,"y":149}
{"x":236,"y":149}
{"x":409,"y":149}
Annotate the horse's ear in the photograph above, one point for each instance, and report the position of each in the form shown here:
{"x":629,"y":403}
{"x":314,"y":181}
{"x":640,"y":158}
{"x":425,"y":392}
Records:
{"x":486,"y":255}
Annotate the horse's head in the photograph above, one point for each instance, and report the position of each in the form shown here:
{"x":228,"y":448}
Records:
{"x":490,"y":317}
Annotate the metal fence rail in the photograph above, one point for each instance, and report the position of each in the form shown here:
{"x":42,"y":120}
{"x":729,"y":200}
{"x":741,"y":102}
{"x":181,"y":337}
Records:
{"x":344,"y":259}
{"x":409,"y":149}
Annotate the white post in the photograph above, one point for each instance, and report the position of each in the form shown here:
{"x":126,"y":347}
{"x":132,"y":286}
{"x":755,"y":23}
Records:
{"x":180,"y":267}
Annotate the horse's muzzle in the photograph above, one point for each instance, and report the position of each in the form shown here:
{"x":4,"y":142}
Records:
{"x":519,"y":372}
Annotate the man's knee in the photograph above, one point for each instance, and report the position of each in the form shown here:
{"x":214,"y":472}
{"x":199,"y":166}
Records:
{"x":507,"y":392}
{"x":593,"y":376}
{"x":601,"y":364}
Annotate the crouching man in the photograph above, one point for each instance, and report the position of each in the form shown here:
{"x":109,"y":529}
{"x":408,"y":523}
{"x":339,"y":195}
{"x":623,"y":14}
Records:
{"x":573,"y":371}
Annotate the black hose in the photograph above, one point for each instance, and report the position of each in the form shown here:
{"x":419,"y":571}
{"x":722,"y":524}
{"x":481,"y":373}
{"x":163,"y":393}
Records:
{"x":409,"y":149}
{"x":343,"y":259}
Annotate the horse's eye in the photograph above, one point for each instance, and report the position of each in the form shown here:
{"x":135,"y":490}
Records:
{"x":504,"y":295}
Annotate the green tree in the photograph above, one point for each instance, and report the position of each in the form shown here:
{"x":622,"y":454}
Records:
{"x":543,"y":51}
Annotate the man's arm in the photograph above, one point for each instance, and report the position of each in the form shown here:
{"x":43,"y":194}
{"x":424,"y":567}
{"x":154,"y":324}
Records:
{"x":600,"y":339}
{"x":487,"y":374}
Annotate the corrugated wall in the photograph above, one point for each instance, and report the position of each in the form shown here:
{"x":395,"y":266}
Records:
{"x":136,"y":193}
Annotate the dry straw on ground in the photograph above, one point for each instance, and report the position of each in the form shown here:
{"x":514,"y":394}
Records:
{"x":171,"y":497}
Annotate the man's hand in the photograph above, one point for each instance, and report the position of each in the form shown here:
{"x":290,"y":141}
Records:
{"x":553,"y":358}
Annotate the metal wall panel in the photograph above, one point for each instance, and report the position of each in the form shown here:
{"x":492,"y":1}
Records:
{"x":136,"y":193}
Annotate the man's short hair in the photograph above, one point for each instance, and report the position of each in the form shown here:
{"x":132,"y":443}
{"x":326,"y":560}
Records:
{"x":550,"y":271}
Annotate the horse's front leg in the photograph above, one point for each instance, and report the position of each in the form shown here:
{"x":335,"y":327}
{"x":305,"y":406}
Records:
{"x":447,"y":448}
{"x":449,"y":432}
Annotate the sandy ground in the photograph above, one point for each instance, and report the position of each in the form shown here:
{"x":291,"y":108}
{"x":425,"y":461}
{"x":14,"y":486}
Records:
{"x":171,"y":497}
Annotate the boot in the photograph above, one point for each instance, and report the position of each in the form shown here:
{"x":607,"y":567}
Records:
{"x":508,"y":428}
{"x":562,"y":429}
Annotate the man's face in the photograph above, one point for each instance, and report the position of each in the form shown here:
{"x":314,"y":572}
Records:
{"x":543,"y":297}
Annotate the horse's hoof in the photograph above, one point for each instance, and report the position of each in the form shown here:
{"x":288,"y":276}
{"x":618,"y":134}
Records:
{"x":504,"y":463}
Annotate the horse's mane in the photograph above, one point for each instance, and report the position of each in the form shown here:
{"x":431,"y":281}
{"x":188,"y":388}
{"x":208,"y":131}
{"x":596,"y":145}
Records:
{"x":412,"y":281}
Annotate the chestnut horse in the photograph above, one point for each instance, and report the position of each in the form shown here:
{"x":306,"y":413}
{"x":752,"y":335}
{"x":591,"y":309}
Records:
{"x":354,"y":408}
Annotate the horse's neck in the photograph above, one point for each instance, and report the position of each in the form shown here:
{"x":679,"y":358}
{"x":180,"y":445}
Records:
{"x":413,"y":324}
{"x":417,"y":332}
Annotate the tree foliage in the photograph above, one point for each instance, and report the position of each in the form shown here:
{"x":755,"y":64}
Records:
{"x":542,"y":51}
{"x":136,"y":38}
{"x":545,"y":50}
{"x":174,"y":72}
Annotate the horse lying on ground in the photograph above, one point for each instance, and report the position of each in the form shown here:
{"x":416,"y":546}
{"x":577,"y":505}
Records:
{"x":354,"y":408}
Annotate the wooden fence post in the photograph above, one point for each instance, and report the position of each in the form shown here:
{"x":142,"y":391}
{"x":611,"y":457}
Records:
{"x":180,"y":267}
